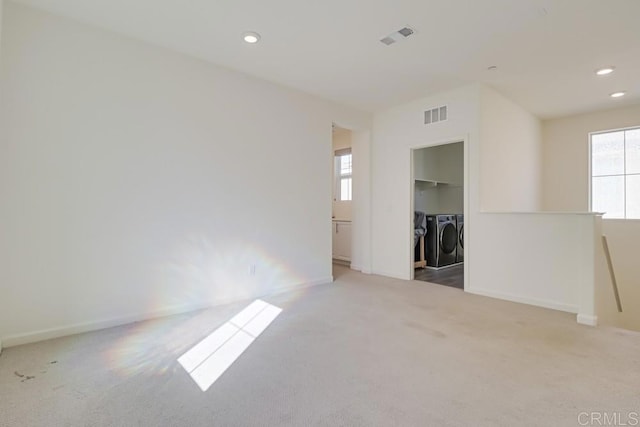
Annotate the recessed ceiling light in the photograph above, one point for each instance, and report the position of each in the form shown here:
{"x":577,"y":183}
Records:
{"x":251,"y":37}
{"x":605,"y":71}
{"x":617,"y":94}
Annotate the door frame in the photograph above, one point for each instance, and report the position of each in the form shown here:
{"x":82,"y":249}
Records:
{"x":465,"y":167}
{"x":361,"y":195}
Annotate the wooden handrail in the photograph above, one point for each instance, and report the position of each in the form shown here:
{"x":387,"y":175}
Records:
{"x":612,"y":273}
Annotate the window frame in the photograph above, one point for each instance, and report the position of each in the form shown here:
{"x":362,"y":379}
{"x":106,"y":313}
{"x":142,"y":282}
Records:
{"x":339,"y":176}
{"x":624,"y":174}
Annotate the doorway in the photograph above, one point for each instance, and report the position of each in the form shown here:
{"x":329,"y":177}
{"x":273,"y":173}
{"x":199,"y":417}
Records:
{"x":342,"y":195}
{"x":438,"y":206}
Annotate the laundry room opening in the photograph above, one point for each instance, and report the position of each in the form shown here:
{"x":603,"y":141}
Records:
{"x":438,"y":214}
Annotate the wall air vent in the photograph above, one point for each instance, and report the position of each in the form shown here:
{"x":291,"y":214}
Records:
{"x":397,"y":36}
{"x":434,"y":115}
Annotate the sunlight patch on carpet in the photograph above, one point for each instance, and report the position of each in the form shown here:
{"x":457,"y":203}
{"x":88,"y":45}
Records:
{"x":211,"y":357}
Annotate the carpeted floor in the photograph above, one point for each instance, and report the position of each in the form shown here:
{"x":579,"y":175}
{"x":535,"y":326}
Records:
{"x":364,"y":351}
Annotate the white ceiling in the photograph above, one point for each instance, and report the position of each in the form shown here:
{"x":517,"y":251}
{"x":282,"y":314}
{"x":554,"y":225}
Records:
{"x":545,"y":50}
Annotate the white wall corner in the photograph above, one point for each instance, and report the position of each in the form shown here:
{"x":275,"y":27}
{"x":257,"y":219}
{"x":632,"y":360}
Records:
{"x":587,"y":319}
{"x":361,"y":215}
{"x":399,"y":276}
{"x":587,"y":312}
{"x":361,"y":269}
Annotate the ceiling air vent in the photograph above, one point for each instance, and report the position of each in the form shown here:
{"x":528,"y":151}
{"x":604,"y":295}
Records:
{"x":397,"y":36}
{"x":435,"y":115}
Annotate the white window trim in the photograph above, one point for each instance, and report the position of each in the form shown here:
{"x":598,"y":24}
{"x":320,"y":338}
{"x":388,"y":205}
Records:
{"x":339,"y":176}
{"x":590,"y":170}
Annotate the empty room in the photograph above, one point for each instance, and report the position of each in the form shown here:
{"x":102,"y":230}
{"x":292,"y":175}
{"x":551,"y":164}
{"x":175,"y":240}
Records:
{"x":338,"y":213}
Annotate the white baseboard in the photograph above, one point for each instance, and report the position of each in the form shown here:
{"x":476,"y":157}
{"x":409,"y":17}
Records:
{"x":387,"y":274}
{"x":587,"y":319}
{"x":554,"y":305}
{"x":326,"y":280}
{"x":78,"y":328}
{"x":361,"y":269}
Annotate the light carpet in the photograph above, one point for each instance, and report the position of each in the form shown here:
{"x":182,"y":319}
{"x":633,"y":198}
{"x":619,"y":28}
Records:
{"x":363,"y":351}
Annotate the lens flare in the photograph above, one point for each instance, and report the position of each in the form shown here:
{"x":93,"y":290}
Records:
{"x":199,"y":275}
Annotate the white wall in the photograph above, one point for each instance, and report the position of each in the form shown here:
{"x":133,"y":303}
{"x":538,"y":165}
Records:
{"x":445,"y":165}
{"x":341,"y":208}
{"x":623,"y":239}
{"x":1,"y":8}
{"x":361,"y":206}
{"x":395,"y":132}
{"x":425,"y":164}
{"x":566,"y":188}
{"x":450,"y":163}
{"x":511,"y":155}
{"x":451,"y":199}
{"x":442,"y":199}
{"x":566,"y":155}
{"x":544,"y":259}
{"x":426,"y":198}
{"x":497,"y":250}
{"x":135,"y":181}
{"x":496,"y":130}
{"x":442,"y":163}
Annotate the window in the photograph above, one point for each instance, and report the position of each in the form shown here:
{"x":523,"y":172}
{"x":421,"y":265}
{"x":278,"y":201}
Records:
{"x":343,"y":170}
{"x":615,"y":173}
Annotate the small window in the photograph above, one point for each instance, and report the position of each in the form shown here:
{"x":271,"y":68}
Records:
{"x":615,"y":173}
{"x":343,"y":169}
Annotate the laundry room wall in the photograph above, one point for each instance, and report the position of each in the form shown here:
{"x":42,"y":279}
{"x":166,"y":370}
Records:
{"x":426,"y":198}
{"x":451,"y":164}
{"x":451,"y":199}
{"x":439,"y":173}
